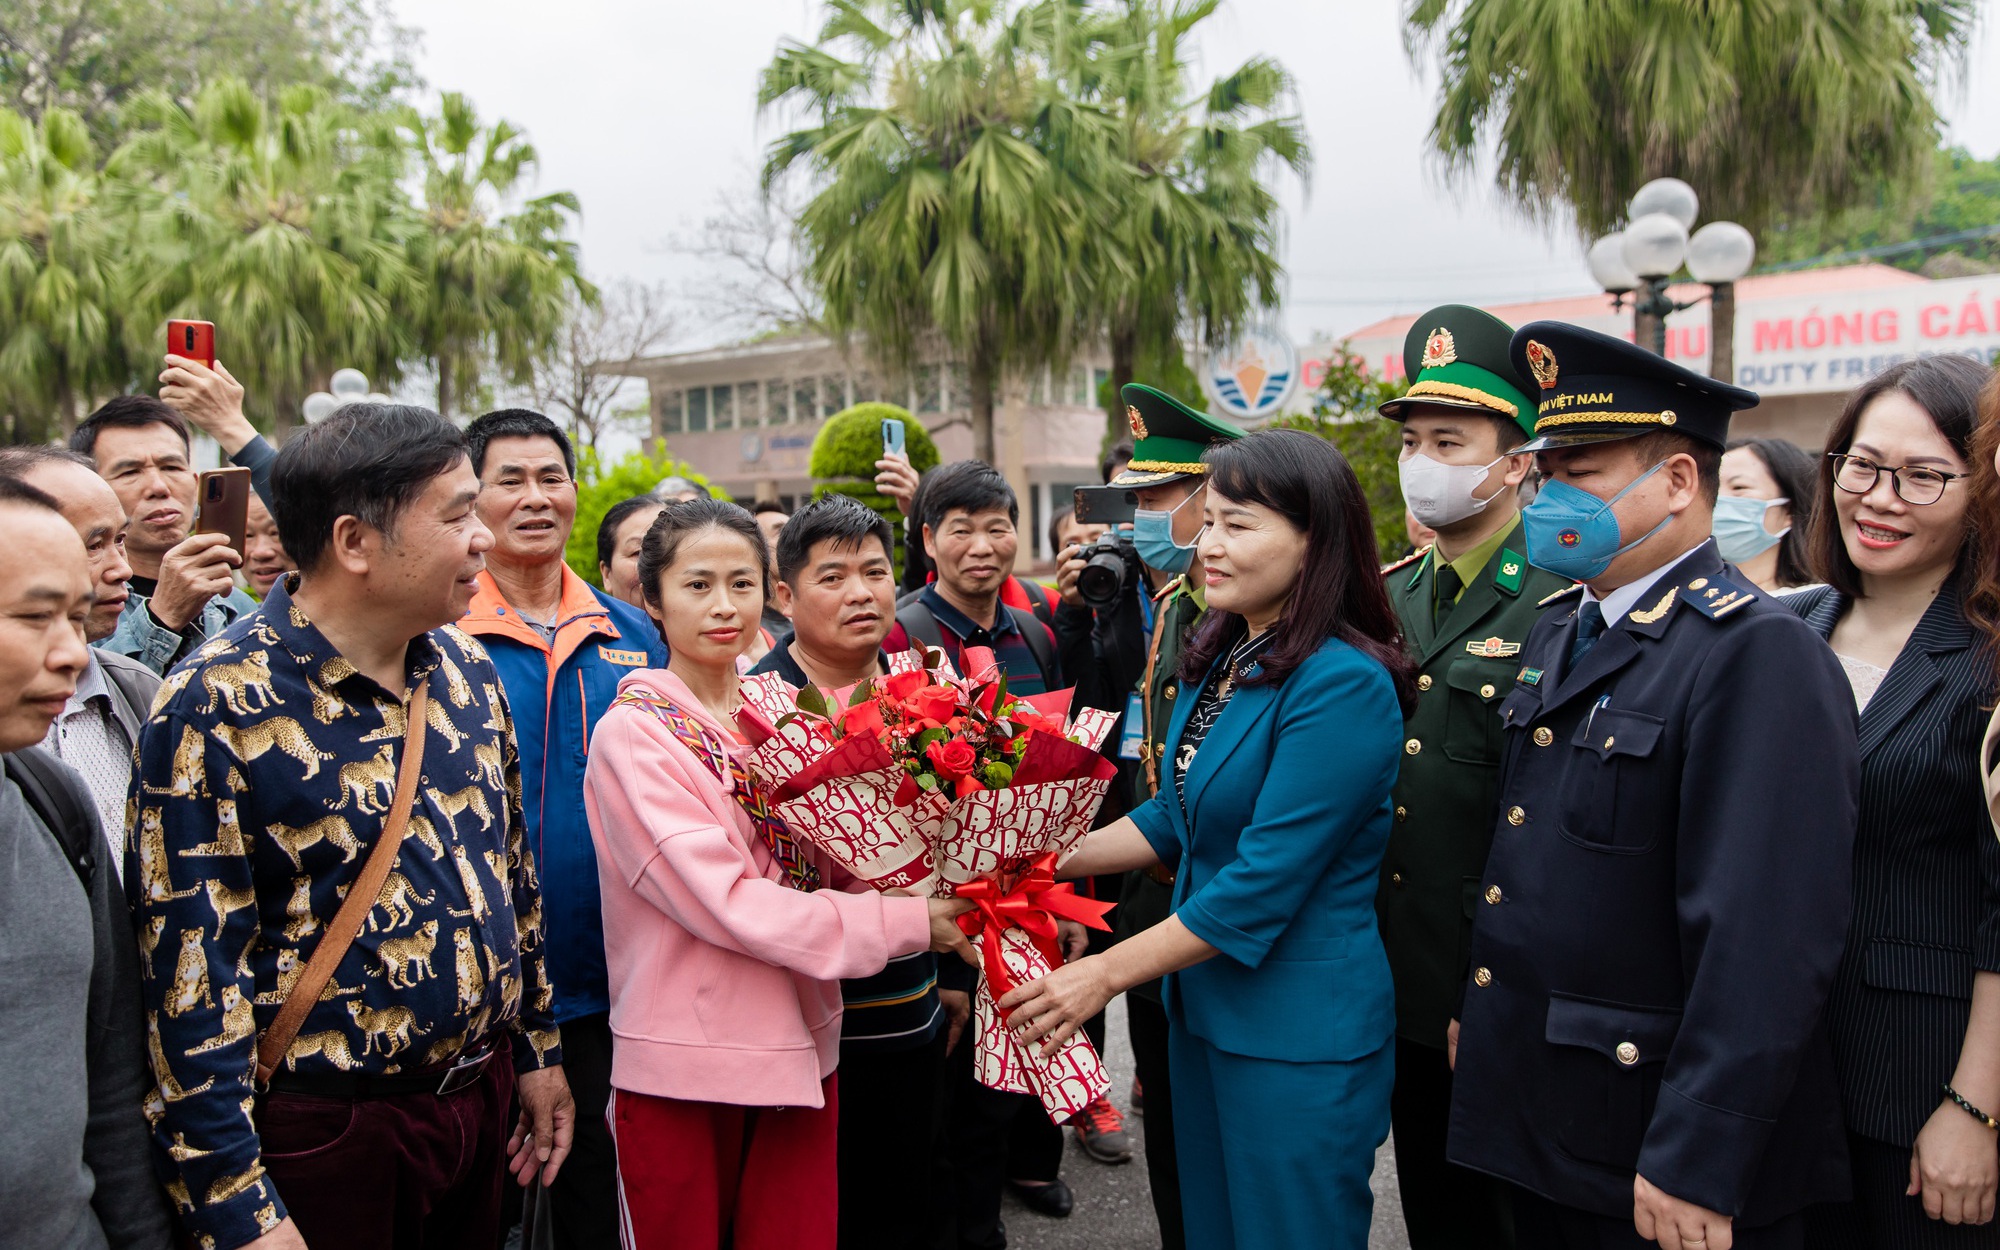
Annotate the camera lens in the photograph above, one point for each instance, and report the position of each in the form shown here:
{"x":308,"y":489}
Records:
{"x":1102,"y":582}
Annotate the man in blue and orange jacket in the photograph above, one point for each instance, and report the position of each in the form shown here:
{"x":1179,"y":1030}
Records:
{"x":561,"y":648}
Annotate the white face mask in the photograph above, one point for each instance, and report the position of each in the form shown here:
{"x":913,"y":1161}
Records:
{"x":1440,"y":494}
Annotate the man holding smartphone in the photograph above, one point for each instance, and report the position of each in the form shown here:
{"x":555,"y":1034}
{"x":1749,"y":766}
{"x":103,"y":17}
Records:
{"x":181,"y":589}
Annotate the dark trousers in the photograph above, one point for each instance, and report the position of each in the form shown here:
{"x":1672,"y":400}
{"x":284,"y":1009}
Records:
{"x":1543,"y":1225}
{"x":892,"y":1124}
{"x":1445,"y":1206}
{"x":1146,"y":1022}
{"x":580,"y":1211}
{"x":1880,"y":1217}
{"x":407,"y":1172}
{"x":990,"y":1137}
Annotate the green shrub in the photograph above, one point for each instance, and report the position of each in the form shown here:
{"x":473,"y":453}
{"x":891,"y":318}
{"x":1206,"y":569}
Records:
{"x":600,"y":486}
{"x":845,"y":451}
{"x":1344,"y":414}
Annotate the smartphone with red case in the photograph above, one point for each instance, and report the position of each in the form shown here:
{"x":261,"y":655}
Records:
{"x":193,"y":339}
{"x":222,"y":505}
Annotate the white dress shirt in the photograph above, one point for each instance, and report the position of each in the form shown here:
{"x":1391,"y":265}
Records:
{"x":1622,"y":600}
{"x":88,"y":738}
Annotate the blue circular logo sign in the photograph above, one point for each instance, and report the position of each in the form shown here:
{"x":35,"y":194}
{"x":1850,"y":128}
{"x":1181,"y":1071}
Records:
{"x":1251,"y":378}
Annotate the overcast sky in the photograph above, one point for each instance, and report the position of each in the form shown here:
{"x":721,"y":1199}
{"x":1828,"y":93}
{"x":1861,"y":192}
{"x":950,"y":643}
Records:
{"x":647,"y":110}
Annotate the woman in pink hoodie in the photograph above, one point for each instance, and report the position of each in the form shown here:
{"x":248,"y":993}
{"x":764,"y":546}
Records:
{"x":725,"y":954}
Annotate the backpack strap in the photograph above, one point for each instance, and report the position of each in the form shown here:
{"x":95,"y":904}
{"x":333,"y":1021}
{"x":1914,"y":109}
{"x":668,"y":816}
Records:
{"x":57,"y":798}
{"x":700,"y":740}
{"x":921,"y":625}
{"x":1038,"y":599}
{"x":1040,"y":641}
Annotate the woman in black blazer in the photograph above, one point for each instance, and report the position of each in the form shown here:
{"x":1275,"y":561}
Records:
{"x":1915,"y":1008}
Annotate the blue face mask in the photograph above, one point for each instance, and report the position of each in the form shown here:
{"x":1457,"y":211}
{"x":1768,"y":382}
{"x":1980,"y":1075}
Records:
{"x":1574,"y":534}
{"x":1153,"y":538}
{"x":1739,"y":527}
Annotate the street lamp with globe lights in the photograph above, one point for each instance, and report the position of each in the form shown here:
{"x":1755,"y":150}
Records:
{"x":347,"y":386}
{"x":1640,"y":260}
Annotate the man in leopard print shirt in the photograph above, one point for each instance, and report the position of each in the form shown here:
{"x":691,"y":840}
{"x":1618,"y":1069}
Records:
{"x":264,"y":778}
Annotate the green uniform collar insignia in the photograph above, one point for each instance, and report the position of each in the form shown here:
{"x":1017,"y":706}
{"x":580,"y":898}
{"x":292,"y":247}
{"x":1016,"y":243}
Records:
{"x":1513,"y":569}
{"x":1423,"y":562}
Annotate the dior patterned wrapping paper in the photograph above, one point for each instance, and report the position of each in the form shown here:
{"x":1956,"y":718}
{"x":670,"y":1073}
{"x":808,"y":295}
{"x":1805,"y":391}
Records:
{"x":264,"y":776}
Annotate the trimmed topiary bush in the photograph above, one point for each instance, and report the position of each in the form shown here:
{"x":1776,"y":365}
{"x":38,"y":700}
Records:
{"x":845,"y":451}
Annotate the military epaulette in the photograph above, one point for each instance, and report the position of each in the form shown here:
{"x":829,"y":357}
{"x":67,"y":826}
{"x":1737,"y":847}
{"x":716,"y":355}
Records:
{"x":1716,"y":597}
{"x":1406,"y":561}
{"x":1168,"y":589}
{"x":1567,"y":590}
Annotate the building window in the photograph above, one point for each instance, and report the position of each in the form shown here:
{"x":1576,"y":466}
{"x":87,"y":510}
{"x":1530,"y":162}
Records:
{"x":867,"y":390}
{"x":832,"y":395}
{"x":1079,"y":386}
{"x":749,"y":406}
{"x":929,"y":379}
{"x":805,"y":399}
{"x":697,"y":413}
{"x":958,"y":397}
{"x":1038,"y":388}
{"x":670,"y":412}
{"x":1098,"y":377}
{"x":723,"y":408}
{"x":777,"y":402}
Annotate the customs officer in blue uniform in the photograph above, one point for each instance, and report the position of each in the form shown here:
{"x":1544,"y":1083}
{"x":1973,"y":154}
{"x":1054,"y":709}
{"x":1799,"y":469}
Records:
{"x":1640,"y":1049}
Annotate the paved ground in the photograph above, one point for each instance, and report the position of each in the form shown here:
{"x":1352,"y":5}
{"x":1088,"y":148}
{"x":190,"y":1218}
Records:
{"x":1114,"y":1209}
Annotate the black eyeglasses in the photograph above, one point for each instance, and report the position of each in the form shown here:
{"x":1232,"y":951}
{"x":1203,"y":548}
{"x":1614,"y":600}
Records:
{"x":1857,"y":475}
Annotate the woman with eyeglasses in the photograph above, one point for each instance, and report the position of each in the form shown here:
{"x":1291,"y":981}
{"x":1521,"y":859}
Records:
{"x":1915,"y":1009}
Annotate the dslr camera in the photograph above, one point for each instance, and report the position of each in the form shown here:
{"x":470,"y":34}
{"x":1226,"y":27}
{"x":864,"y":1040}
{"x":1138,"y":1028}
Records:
{"x":1111,"y":565}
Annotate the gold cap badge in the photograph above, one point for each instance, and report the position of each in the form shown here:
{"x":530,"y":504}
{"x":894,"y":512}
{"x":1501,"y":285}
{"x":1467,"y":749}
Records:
{"x":1439,"y":349}
{"x":1137,"y":422}
{"x":1542,"y":362}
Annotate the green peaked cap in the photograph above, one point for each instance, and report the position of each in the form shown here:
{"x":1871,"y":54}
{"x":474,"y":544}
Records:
{"x":1168,"y":437}
{"x":1456,"y":356}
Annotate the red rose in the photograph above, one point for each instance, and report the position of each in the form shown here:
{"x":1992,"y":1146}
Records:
{"x":932,"y":703}
{"x":863,"y":717}
{"x":903,"y":685}
{"x":1027,"y":717}
{"x":953,"y":758}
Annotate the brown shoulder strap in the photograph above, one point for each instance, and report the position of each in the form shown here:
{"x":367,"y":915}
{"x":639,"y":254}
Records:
{"x":359,"y":902}
{"x":1151,"y":760}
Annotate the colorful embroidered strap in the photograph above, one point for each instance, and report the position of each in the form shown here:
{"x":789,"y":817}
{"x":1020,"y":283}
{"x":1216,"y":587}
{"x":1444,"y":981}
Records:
{"x":700,"y":739}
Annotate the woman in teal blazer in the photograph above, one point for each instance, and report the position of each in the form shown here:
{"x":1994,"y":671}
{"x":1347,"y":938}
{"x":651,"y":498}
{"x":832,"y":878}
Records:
{"x":1273,"y":811}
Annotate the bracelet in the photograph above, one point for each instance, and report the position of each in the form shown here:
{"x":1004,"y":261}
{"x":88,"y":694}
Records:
{"x":1969,"y":1109}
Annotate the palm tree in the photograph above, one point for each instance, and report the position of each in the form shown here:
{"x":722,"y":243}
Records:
{"x":490,"y":286}
{"x":1191,"y":238}
{"x":282,"y":223}
{"x":954,"y":189}
{"x":59,"y":281}
{"x":1793,"y":107}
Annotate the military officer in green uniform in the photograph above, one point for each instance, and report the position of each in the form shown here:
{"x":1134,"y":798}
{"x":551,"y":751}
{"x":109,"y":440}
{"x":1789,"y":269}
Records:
{"x":1467,"y":604}
{"x":1167,"y":475}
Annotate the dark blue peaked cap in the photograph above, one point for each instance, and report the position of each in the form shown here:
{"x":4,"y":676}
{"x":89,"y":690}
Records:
{"x":1592,"y":388}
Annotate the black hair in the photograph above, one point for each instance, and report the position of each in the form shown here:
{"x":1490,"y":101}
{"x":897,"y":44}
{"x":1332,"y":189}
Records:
{"x":1947,"y":389}
{"x":514,"y":423}
{"x":845,"y":522}
{"x":1055,"y":529}
{"x":678,"y":522}
{"x":1793,"y":470}
{"x":20,"y":461}
{"x":966,"y":486}
{"x":14,"y":490}
{"x":367,"y":461}
{"x":127,"y":412}
{"x":763,"y":506}
{"x":1339,"y":593}
{"x":1117,"y":458}
{"x":615,"y":516}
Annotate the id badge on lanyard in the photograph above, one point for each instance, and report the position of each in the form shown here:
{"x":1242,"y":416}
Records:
{"x":1133,"y":738}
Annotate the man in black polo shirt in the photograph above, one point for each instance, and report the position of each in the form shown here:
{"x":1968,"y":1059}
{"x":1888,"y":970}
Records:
{"x":836,"y":582}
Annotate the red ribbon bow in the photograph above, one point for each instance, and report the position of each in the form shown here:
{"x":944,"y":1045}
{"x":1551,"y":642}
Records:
{"x":1032,"y":907}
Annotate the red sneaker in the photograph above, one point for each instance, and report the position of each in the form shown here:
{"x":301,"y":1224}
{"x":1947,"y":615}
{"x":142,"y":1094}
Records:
{"x":1100,"y":1130}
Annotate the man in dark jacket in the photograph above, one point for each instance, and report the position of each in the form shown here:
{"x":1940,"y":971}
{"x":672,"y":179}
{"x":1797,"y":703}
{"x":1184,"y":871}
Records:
{"x":74,"y":1161}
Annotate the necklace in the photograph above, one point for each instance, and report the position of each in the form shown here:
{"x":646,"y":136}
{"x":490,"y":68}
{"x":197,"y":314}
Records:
{"x":1239,"y":662}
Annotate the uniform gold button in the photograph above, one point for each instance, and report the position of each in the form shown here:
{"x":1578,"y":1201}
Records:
{"x":1486,"y":692}
{"x":1169,"y":692}
{"x":1493,"y":894}
{"x":1424,"y":682}
{"x":1395,"y":878}
{"x":1609,"y":743}
{"x":1516,"y":816}
{"x":1628,"y":1054}
{"x":1544,"y":737}
{"x":1482,"y":977}
{"x":1402,"y":813}
{"x":1412,"y":747}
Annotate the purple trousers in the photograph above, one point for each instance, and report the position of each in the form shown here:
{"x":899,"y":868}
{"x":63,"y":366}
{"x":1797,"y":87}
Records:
{"x":406,"y":1172}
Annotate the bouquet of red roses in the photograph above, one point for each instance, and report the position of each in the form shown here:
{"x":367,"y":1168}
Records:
{"x":939,"y":784}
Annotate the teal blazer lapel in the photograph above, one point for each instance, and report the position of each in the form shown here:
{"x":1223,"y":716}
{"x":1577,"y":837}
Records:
{"x":1247,"y":706}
